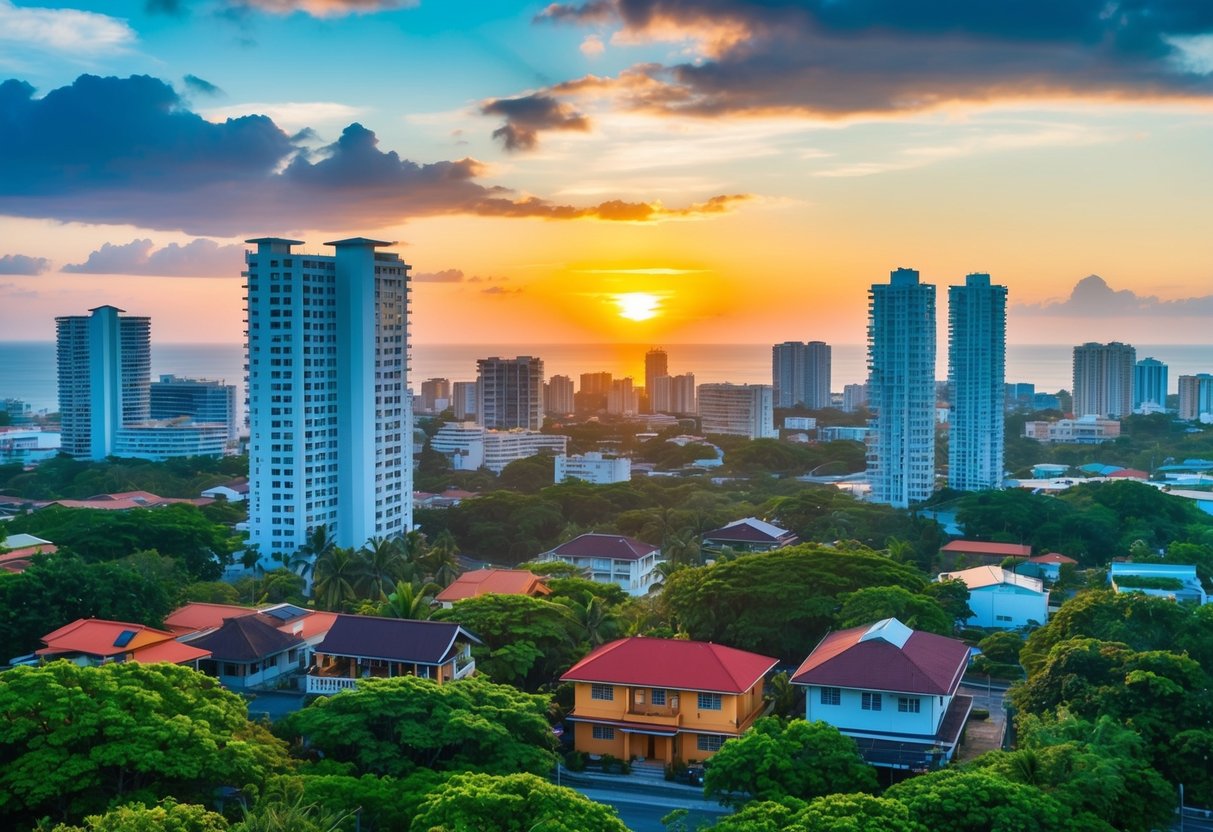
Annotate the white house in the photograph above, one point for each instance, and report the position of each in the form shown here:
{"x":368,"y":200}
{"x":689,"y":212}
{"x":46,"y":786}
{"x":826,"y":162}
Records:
{"x":235,"y":491}
{"x":1176,"y":581}
{"x":1000,"y":599}
{"x":892,"y":690}
{"x":593,"y":468}
{"x":611,"y":559}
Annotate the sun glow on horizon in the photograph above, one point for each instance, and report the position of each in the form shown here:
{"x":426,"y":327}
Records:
{"x":638,"y":306}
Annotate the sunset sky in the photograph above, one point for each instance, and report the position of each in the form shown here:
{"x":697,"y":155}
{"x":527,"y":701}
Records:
{"x":639,"y":171}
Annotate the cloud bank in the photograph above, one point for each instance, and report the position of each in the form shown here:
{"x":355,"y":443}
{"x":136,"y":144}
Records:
{"x":147,"y":160}
{"x":198,"y":258}
{"x":22,"y":264}
{"x":1092,"y":297}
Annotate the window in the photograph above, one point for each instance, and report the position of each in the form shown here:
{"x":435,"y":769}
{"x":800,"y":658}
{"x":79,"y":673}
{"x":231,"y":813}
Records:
{"x":709,"y":742}
{"x":831,"y":696}
{"x":1002,"y":617}
{"x":658,"y":697}
{"x":871,"y":701}
{"x":604,"y":732}
{"x":604,"y":692}
{"x":909,"y":704}
{"x":709,"y":702}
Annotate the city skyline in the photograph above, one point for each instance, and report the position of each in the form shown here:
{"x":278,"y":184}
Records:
{"x":604,"y":159}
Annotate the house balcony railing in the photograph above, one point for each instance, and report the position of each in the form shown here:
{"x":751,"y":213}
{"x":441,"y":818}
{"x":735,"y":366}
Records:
{"x":464,"y":666}
{"x":653,"y":717}
{"x":328,"y":684}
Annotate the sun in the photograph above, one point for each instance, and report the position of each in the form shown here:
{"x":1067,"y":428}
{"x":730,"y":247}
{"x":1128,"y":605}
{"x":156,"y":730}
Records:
{"x":637,"y":306}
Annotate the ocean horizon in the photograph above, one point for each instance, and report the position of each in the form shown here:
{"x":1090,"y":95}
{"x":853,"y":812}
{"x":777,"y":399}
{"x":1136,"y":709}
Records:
{"x":28,"y":371}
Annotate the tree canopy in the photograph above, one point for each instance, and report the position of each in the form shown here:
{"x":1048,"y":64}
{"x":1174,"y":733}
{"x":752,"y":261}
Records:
{"x":512,"y":803}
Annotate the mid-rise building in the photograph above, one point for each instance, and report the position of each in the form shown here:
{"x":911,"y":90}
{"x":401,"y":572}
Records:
{"x":435,"y":395}
{"x":468,"y":446}
{"x":1103,"y":379}
{"x":594,"y":468}
{"x":656,"y":365}
{"x":854,"y":396}
{"x":1085,"y":430}
{"x":509,"y":393}
{"x":1020,"y":395}
{"x":623,"y":399}
{"x":331,"y":431}
{"x":202,"y":400}
{"x":737,"y":410}
{"x":558,"y":395}
{"x":901,"y":389}
{"x":800,"y":374}
{"x":592,"y":395}
{"x":104,"y":364}
{"x":1150,"y":386}
{"x":977,"y":347}
{"x":1195,"y":396}
{"x":463,"y":400}
{"x":166,"y":439}
{"x":674,"y":394}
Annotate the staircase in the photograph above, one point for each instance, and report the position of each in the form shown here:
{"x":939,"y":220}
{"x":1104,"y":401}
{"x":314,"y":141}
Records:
{"x":648,"y":770}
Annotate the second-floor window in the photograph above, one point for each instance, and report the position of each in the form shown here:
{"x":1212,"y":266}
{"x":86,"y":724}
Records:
{"x":831,"y":696}
{"x":870,"y":701}
{"x":709,"y":702}
{"x":658,"y":697}
{"x":603,"y":692}
{"x":909,"y":704}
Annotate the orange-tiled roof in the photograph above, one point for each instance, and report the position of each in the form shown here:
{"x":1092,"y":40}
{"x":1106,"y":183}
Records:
{"x":198,"y":615}
{"x":173,"y":652}
{"x":675,"y":664}
{"x":1052,"y":557}
{"x":18,"y":560}
{"x":101,"y":637}
{"x":982,"y":547}
{"x":495,"y":581}
{"x":313,"y":624}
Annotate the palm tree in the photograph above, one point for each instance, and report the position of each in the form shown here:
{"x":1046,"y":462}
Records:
{"x":413,"y":600}
{"x":682,"y":547}
{"x":596,"y":622}
{"x":441,"y":560}
{"x":338,"y":573}
{"x":662,"y":572}
{"x":319,"y":543}
{"x":385,"y":564}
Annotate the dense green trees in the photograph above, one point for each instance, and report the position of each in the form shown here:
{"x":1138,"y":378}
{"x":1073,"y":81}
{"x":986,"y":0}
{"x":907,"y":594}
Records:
{"x":64,"y":478}
{"x":169,"y":816}
{"x":917,"y":611}
{"x":512,"y":803}
{"x":74,"y":739}
{"x":397,"y":726}
{"x":832,"y":813}
{"x":799,"y":759}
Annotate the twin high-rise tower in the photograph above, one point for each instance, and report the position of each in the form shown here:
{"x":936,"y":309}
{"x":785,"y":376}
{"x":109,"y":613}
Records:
{"x":901,"y":386}
{"x":329,"y":418}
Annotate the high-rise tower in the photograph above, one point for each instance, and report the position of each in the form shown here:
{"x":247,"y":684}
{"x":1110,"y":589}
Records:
{"x":977,"y":346}
{"x":1150,"y":385}
{"x":800,"y":374}
{"x":901,"y":389}
{"x":105,"y":366}
{"x":331,"y":430}
{"x":509,"y":393}
{"x":656,"y":365}
{"x":1103,"y":379}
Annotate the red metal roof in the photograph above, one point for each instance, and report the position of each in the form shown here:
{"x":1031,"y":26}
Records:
{"x":982,"y":547}
{"x":169,"y":651}
{"x":925,"y":663}
{"x":199,"y":615}
{"x":674,"y":664}
{"x":494,"y":581}
{"x":101,"y":637}
{"x":1052,"y":557}
{"x":613,"y":546}
{"x":1130,"y":473}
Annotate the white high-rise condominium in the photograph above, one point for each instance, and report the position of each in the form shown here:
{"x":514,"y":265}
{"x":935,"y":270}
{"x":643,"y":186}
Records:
{"x":1150,"y":385}
{"x":977,"y":347}
{"x":737,"y":410}
{"x":901,"y":389}
{"x":1103,"y":379}
{"x":105,"y":366}
{"x":800,"y":374}
{"x":331,"y":431}
{"x":509,"y":393}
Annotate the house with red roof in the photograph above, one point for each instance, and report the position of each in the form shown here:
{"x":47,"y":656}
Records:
{"x":891,"y":689}
{"x":748,"y":534}
{"x":611,"y":559}
{"x":1048,"y":565}
{"x":494,"y":582}
{"x":665,"y":700}
{"x":94,"y":641}
{"x":18,"y":550}
{"x":978,"y":552}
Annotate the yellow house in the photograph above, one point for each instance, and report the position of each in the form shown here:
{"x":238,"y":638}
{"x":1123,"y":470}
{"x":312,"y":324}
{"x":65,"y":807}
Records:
{"x":665,"y":700}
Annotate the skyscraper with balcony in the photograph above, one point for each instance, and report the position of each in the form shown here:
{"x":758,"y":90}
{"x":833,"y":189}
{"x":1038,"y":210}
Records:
{"x":800,"y":374}
{"x":977,"y":346}
{"x":1103,"y":379}
{"x":331,"y":429}
{"x":509,"y":393}
{"x":1150,"y":385}
{"x":104,"y":368}
{"x":901,"y":389}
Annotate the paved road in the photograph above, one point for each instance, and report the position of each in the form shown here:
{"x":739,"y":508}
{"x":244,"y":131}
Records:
{"x":643,"y":813}
{"x":1195,"y":820}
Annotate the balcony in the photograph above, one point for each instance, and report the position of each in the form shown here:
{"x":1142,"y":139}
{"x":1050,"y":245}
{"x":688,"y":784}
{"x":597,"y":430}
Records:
{"x":655,"y":716}
{"x":327,"y":685}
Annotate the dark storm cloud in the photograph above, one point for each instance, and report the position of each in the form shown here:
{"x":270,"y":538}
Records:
{"x":526,"y":116}
{"x":833,"y":59}
{"x":1092,"y":297}
{"x":23,"y":264}
{"x":201,"y":86}
{"x":197,"y":258}
{"x":145,"y":159}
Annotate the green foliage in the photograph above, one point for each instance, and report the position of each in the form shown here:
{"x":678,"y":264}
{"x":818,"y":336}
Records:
{"x":953,"y":595}
{"x":1148,"y":582}
{"x":179,"y":531}
{"x":78,"y":738}
{"x":770,"y":456}
{"x":64,"y":478}
{"x":388,"y":804}
{"x":527,"y":641}
{"x":800,"y":759}
{"x":917,"y":611}
{"x":1002,"y":647}
{"x":528,"y":475}
{"x":211,"y":592}
{"x":273,"y":587}
{"x":776,"y":603}
{"x":58,"y":589}
{"x":512,"y":803}
{"x":169,"y":816}
{"x":397,"y":726}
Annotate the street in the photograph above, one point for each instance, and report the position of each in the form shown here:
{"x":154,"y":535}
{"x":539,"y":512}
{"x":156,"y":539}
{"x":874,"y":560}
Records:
{"x":643,"y":813}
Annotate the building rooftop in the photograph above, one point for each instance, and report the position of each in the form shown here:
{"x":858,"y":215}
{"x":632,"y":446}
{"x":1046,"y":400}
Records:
{"x":1052,"y":557}
{"x":980,"y":577}
{"x":246,"y":638}
{"x":612,"y":546}
{"x":673,"y":664}
{"x":749,"y":530}
{"x":886,"y":656}
{"x":494,"y":581}
{"x":981,"y":547}
{"x":107,"y":639}
{"x":392,"y":639}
